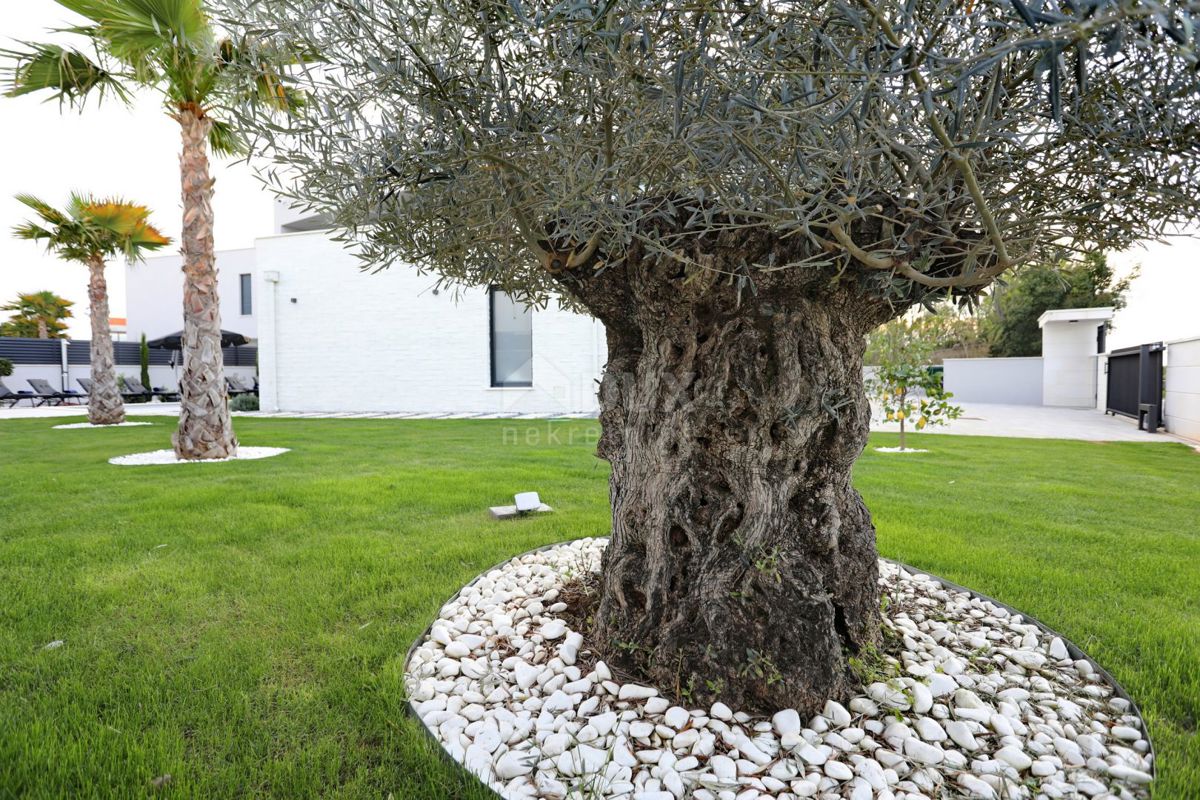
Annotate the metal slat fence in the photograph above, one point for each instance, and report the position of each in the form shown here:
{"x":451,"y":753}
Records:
{"x":49,"y":352}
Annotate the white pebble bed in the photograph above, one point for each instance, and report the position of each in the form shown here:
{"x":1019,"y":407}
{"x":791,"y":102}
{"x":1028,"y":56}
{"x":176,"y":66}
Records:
{"x":985,"y":705}
{"x":81,"y":425}
{"x":899,"y":450}
{"x":168,"y":457}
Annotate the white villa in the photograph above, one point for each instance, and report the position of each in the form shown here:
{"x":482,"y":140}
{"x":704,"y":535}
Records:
{"x":334,"y":338}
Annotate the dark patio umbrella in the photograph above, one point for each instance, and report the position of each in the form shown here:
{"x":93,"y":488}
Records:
{"x":174,"y":341}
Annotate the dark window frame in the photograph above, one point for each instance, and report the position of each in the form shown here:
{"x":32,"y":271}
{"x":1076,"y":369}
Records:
{"x":246,"y":291}
{"x":495,"y":382}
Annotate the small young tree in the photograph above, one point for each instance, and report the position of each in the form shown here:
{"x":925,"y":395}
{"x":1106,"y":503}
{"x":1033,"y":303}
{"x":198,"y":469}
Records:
{"x":89,"y":232}
{"x":906,"y":389}
{"x":740,"y":192}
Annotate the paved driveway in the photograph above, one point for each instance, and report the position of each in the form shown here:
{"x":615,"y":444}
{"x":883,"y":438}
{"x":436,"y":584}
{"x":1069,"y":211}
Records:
{"x":1038,"y":422}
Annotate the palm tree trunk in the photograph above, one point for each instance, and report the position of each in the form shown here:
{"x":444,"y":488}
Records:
{"x":205,"y":429}
{"x":43,"y":330}
{"x":104,"y":401}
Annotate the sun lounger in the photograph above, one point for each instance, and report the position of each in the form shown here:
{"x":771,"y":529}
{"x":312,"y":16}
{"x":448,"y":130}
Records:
{"x":236,"y":386}
{"x":52,"y":396}
{"x":12,"y":398}
{"x":133,"y":390}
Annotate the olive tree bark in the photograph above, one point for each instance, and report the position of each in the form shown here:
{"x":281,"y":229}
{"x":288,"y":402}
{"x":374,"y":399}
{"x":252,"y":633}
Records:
{"x":205,"y":428}
{"x":742,"y":564}
{"x":105,"y":406}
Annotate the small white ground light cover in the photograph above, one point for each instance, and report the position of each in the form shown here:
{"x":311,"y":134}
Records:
{"x":523,"y":503}
{"x":169,"y":457}
{"x":82,"y":425}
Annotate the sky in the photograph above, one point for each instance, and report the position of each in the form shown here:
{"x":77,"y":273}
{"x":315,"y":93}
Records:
{"x":133,"y":152}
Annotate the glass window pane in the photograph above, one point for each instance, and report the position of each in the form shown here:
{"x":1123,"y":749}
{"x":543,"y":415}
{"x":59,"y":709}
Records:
{"x":247,"y":304}
{"x":512,"y":342}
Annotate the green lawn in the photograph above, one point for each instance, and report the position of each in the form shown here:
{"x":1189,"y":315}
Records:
{"x":242,"y":627}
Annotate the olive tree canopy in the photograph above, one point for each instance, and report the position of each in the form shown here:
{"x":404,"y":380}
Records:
{"x":931,"y":142}
{"x":740,"y":191}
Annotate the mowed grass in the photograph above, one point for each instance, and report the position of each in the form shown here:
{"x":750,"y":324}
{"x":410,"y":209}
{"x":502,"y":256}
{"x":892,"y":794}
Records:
{"x":242,"y":627}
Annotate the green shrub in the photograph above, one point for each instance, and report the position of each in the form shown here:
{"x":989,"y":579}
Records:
{"x":6,"y":368}
{"x":244,"y":402}
{"x":144,"y":358}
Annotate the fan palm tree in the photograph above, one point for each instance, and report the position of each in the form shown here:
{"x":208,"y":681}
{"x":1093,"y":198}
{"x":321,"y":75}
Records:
{"x":39,"y":315}
{"x":171,"y":47}
{"x":90,"y":231}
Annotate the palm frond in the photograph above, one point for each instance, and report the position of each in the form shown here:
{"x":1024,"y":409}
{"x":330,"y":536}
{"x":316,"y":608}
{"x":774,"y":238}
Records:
{"x":93,"y":227}
{"x":125,"y":219}
{"x":137,"y":27}
{"x":169,"y":40}
{"x":31,"y":232}
{"x":44,"y":210}
{"x":69,"y":74}
{"x":224,"y":140}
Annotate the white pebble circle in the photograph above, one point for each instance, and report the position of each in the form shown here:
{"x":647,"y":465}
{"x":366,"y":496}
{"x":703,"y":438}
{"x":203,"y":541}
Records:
{"x":82,"y":425}
{"x":157,"y":457}
{"x":983,"y":702}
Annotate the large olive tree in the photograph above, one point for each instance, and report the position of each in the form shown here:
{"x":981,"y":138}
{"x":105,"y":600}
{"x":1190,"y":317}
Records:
{"x":740,"y":191}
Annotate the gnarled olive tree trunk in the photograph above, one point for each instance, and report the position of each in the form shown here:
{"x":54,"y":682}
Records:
{"x":105,"y":406}
{"x":205,"y":428}
{"x":742,"y":565}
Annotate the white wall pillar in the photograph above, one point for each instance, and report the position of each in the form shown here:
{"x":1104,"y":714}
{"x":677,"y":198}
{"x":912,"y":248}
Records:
{"x":1070,"y":346}
{"x":268,"y":371}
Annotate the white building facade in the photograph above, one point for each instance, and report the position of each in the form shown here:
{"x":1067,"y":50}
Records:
{"x":154,"y":295}
{"x":332,"y":337}
{"x":335,"y":338}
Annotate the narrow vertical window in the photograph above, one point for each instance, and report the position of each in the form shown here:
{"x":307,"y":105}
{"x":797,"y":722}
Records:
{"x":512,"y":341}
{"x":247,"y":300}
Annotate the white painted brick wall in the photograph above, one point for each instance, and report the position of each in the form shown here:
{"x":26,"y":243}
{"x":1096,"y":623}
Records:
{"x":335,"y":338}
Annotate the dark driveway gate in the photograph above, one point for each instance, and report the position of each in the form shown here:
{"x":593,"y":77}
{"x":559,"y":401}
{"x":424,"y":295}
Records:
{"x":1135,"y":384}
